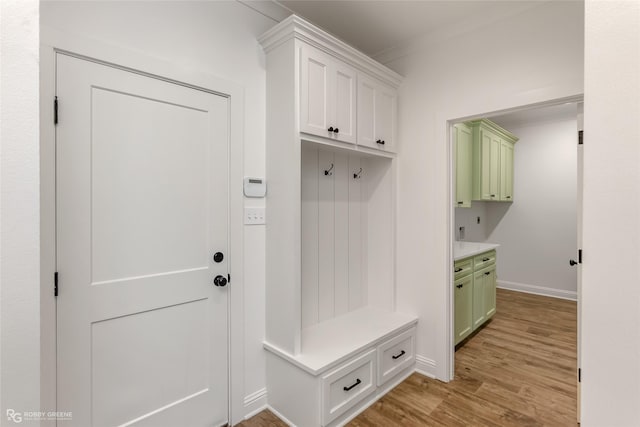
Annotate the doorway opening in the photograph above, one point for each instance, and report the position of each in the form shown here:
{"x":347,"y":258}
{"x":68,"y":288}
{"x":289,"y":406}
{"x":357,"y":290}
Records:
{"x":516,"y":225}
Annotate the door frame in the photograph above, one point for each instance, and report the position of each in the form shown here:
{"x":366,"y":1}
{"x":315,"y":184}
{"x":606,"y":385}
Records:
{"x":449,"y":303}
{"x":53,"y":42}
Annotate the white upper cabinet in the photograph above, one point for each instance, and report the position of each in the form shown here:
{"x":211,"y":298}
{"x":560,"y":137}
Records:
{"x":377,"y":106}
{"x":327,"y":96}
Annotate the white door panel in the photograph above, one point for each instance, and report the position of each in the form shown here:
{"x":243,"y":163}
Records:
{"x":142,"y":206}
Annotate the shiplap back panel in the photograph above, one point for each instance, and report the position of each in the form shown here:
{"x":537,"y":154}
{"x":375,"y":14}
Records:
{"x":333,"y":231}
{"x":309,"y":236}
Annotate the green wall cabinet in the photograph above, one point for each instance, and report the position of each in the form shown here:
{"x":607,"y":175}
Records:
{"x":492,"y":161}
{"x":474,"y":293}
{"x":463,"y":140}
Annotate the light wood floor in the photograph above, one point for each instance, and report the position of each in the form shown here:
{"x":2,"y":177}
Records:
{"x":518,"y":370}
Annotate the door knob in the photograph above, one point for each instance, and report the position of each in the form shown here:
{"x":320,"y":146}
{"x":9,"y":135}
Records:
{"x":572,"y":262}
{"x":220,"y":281}
{"x":218,"y":257}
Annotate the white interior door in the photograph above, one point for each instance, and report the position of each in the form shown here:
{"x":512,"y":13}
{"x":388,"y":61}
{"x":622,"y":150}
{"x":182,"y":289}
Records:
{"x":579,"y":243}
{"x":142,"y":207}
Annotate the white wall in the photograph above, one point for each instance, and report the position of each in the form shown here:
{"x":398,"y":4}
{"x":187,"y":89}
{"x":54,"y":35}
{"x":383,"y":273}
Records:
{"x":19,"y":202}
{"x":526,"y":59}
{"x":537,"y":232}
{"x":219,"y":38}
{"x":611,"y":224}
{"x":468,"y":218}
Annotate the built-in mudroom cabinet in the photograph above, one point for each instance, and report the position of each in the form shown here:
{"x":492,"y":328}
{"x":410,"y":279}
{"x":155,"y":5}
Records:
{"x":334,"y":340}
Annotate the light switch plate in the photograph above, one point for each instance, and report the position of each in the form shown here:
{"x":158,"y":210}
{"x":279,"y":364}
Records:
{"x":254,"y":216}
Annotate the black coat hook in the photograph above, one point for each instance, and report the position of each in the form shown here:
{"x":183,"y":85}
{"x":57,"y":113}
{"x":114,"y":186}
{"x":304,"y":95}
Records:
{"x":357,"y":174}
{"x":328,"y":172}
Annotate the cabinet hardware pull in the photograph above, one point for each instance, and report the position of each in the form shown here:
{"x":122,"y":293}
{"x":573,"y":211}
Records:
{"x":487,"y":273}
{"x":508,"y":197}
{"x":398,"y":356}
{"x":357,"y":383}
{"x":493,"y":195}
{"x":459,"y":286}
{"x":485,"y":259}
{"x":458,"y":270}
{"x":460,"y":203}
{"x":336,"y":130}
{"x":381,"y":142}
{"x":330,"y":129}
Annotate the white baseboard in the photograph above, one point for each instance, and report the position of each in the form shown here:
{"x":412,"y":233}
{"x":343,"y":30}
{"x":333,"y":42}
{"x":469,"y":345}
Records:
{"x":282,"y":417}
{"x":255,"y":403}
{"x":537,"y":290}
{"x":426,"y":366}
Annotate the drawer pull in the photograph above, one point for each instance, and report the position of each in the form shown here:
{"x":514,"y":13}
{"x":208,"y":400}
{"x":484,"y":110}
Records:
{"x":487,"y":273}
{"x":458,"y":270}
{"x":459,"y":286}
{"x":398,"y":356}
{"x":357,"y":383}
{"x":485,"y":259}
{"x":460,"y":203}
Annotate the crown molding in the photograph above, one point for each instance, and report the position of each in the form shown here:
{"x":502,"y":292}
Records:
{"x":295,"y":27}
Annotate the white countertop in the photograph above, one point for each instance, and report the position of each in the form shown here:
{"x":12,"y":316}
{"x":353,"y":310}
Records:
{"x":466,"y":249}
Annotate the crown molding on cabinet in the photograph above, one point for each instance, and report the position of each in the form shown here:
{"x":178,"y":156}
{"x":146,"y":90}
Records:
{"x":298,"y":28}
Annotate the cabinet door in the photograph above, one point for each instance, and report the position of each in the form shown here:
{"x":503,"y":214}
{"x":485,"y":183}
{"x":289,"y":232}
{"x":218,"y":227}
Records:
{"x":377,"y":109}
{"x":463,"y":297}
{"x":386,"y":102}
{"x":489,"y":289}
{"x":366,"y":112}
{"x":489,"y":165}
{"x":478,"y":311}
{"x":506,"y":171}
{"x":315,"y":69}
{"x":342,"y":110}
{"x":464,"y":150}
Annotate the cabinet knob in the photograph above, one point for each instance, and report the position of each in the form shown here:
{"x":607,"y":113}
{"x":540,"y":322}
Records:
{"x":336,"y":130}
{"x":330,"y":129}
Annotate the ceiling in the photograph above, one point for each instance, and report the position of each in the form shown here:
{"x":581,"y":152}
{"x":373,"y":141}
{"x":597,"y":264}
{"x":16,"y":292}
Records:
{"x":375,"y":26}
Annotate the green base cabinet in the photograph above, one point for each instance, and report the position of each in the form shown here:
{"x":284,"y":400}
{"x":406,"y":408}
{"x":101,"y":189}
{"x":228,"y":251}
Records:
{"x":492,"y":161}
{"x":463,"y":298}
{"x":474,"y":293}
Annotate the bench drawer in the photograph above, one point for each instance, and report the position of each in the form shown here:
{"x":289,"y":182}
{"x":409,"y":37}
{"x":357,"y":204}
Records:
{"x":395,"y":355}
{"x":348,"y":385}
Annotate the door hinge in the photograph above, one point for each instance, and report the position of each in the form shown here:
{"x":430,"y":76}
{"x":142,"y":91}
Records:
{"x":579,"y":256}
{"x":55,"y":284}
{"x":580,"y":138}
{"x":55,"y":110}
{"x":579,"y":375}
{"x":229,"y":277}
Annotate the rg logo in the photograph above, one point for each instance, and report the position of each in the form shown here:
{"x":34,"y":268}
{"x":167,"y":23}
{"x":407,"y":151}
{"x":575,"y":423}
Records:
{"x":14,"y":416}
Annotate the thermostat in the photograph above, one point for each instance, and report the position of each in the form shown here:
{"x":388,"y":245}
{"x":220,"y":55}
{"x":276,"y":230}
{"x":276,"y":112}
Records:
{"x":255,"y":187}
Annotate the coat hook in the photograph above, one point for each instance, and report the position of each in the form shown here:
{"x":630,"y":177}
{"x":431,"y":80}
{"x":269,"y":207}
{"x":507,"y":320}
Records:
{"x":357,"y":175}
{"x":328,"y":172}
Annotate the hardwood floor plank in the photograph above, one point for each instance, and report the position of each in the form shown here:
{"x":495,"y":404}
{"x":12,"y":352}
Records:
{"x":518,"y":370}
